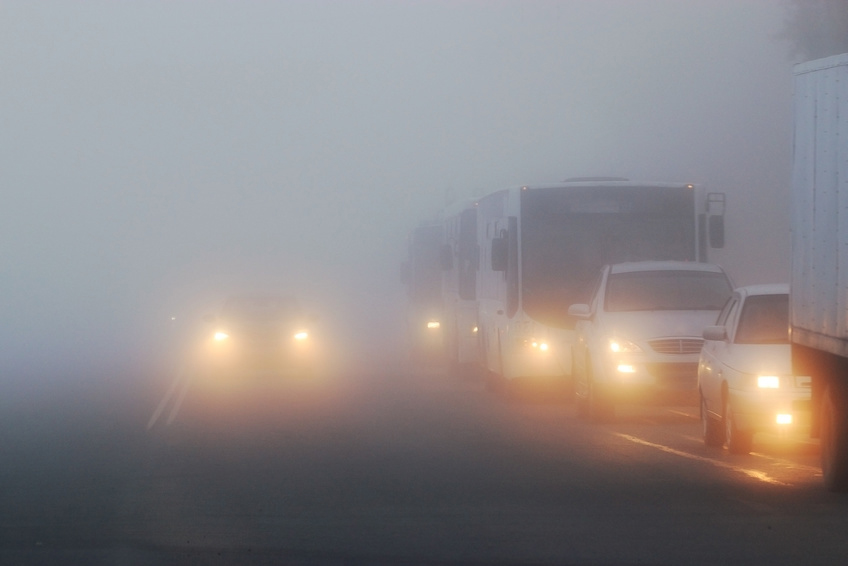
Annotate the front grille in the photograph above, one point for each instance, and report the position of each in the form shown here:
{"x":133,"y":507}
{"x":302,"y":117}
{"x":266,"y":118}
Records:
{"x":676,"y":345}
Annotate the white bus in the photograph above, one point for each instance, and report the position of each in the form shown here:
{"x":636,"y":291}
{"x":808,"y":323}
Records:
{"x":460,"y":261}
{"x":541,"y":248}
{"x":422,"y":274}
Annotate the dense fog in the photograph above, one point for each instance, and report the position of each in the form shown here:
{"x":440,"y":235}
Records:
{"x":158,"y":156}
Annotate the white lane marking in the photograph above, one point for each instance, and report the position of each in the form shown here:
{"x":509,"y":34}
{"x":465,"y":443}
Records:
{"x":683,"y":413}
{"x":788,"y":463}
{"x":782,"y":461}
{"x":756,"y":474}
{"x":180,"y":376}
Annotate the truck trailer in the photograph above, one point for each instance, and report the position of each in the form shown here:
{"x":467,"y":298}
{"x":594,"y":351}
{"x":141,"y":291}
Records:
{"x":818,"y":310}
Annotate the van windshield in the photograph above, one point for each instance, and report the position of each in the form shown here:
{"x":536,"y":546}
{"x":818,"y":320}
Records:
{"x":666,"y":290}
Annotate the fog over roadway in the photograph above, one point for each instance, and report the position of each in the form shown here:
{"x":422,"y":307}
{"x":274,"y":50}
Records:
{"x":158,"y":156}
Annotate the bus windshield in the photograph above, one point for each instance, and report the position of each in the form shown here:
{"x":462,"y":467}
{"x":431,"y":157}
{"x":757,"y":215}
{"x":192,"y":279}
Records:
{"x":568,"y":234}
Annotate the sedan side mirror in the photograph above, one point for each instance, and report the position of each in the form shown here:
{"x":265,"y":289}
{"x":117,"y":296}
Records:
{"x":580,"y":310}
{"x":715,"y":333}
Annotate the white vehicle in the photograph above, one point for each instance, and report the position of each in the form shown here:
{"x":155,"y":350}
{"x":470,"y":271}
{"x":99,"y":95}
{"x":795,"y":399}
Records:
{"x":818,"y":298}
{"x":745,"y":372}
{"x":641,"y":332}
{"x":541,"y":248}
{"x":460,"y":259}
{"x":422,"y":275}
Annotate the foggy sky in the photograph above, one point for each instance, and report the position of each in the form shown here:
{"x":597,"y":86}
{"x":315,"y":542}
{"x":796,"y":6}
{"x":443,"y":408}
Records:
{"x":158,"y":155}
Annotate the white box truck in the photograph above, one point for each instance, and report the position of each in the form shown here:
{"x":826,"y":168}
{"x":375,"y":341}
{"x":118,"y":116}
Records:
{"x":819,"y":281}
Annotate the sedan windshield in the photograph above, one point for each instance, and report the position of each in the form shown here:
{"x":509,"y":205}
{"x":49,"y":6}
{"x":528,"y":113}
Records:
{"x":666,"y":290}
{"x":764,"y":320}
{"x":260,"y":308}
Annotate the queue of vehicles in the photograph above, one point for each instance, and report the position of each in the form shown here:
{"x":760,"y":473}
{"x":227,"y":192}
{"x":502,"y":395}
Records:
{"x":519,"y":303}
{"x":602,"y":285}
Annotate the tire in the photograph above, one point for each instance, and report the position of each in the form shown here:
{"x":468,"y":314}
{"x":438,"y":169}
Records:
{"x":712,"y":430}
{"x":599,"y":403}
{"x":834,"y":442}
{"x":581,"y":403}
{"x":737,"y":441}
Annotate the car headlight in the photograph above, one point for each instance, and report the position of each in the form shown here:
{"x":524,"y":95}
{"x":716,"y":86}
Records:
{"x":619,"y":346}
{"x":768,"y":381}
{"x":433,"y":324}
{"x":221,"y":336}
{"x":302,"y":335}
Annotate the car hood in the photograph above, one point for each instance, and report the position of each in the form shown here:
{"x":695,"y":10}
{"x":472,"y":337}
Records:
{"x":771,"y":359}
{"x":646,"y":325}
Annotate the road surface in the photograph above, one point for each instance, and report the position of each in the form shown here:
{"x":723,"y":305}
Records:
{"x":390,"y":464}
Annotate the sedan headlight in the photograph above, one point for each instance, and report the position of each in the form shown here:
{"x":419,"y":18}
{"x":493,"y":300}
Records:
{"x":768,"y":381}
{"x":619,"y":346}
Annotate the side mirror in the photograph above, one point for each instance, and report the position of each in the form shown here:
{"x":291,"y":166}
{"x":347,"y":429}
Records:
{"x":715,"y":228}
{"x":500,"y":253}
{"x":717,"y":333}
{"x":580,"y":310}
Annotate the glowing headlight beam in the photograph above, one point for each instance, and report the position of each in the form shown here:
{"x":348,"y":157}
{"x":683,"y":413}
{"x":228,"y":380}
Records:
{"x":433,"y":324}
{"x":783,"y":419}
{"x":220,"y":336}
{"x":621,"y":346}
{"x":768,"y":382}
{"x":302,"y":335}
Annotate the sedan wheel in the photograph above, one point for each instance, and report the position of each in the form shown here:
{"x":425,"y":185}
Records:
{"x":713,"y":433}
{"x":738,"y":441}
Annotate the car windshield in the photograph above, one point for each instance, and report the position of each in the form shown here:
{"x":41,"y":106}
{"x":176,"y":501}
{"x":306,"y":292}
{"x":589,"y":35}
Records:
{"x":764,"y":320}
{"x":260,"y":308}
{"x":666,"y":290}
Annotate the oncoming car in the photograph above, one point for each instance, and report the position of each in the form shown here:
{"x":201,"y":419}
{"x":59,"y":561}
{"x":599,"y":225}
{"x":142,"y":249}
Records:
{"x":640,"y":336}
{"x":745,"y":371}
{"x":260,"y":333}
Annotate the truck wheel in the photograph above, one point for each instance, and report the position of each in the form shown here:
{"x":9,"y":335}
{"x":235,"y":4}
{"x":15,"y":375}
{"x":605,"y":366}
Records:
{"x":713,"y":433}
{"x":738,"y":441}
{"x":834,"y":442}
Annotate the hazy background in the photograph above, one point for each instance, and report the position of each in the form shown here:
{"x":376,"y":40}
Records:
{"x":155,"y":156}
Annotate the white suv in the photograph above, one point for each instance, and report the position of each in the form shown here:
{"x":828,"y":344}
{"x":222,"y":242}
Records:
{"x":642,"y":331}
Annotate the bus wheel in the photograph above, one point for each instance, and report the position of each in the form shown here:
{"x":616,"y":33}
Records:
{"x":834,"y":441}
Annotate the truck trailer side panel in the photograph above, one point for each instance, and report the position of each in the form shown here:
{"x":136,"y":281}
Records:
{"x":819,"y":307}
{"x":818,"y":312}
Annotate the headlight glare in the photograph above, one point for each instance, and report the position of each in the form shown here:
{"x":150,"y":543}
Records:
{"x":221,"y":336}
{"x":768,"y":381}
{"x":619,"y":346}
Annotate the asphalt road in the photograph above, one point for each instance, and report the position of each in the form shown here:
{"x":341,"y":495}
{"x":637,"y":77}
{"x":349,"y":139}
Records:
{"x":389,"y":465}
